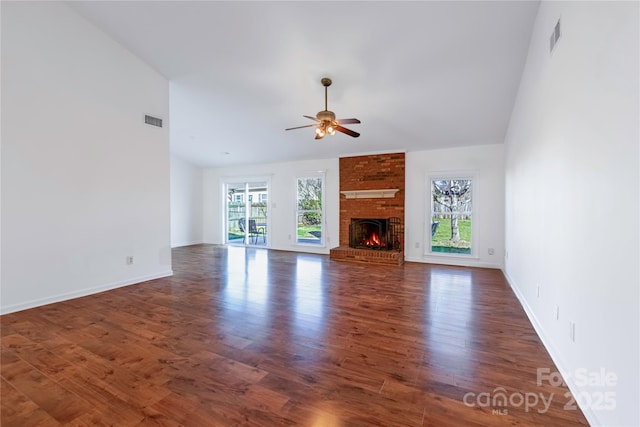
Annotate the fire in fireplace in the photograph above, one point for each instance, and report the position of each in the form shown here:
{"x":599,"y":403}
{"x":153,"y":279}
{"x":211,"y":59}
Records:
{"x":375,"y":233}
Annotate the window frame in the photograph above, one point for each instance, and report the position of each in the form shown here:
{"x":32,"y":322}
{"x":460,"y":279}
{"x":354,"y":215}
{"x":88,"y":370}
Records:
{"x":451,"y":175}
{"x":323,"y":224}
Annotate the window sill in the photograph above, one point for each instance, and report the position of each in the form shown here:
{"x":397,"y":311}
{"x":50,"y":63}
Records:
{"x":450,"y":255}
{"x":310,"y":245}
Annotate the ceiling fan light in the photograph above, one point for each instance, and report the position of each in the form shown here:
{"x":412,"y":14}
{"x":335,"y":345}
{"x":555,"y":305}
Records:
{"x":331,"y":131}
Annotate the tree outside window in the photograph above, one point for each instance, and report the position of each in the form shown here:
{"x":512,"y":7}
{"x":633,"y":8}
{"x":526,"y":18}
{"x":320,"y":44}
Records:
{"x":451,"y":215}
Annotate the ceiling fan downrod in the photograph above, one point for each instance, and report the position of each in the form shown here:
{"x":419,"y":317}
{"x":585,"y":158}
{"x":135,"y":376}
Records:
{"x":326,"y":82}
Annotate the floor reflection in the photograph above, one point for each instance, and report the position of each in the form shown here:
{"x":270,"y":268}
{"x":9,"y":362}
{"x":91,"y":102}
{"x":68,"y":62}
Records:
{"x":309,"y":296}
{"x":247,"y":284}
{"x":448,"y":326}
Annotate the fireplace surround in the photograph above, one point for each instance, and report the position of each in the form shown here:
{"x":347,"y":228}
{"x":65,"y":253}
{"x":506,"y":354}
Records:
{"x":375,"y":233}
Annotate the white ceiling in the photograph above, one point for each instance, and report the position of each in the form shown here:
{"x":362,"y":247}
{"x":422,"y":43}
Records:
{"x":419,"y":75}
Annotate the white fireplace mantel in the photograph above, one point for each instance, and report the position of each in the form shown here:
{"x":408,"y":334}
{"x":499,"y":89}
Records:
{"x":371,"y":194}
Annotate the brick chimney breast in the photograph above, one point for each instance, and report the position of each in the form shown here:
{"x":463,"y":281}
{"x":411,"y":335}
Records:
{"x":372,"y":172}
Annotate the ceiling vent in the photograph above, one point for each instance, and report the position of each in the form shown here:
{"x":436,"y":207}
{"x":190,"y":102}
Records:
{"x":153,"y":121}
{"x":555,"y":36}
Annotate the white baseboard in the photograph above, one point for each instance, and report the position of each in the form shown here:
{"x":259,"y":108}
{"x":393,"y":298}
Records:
{"x":553,"y":352}
{"x":459,"y":262}
{"x":80,"y":293}
{"x":179,"y":245}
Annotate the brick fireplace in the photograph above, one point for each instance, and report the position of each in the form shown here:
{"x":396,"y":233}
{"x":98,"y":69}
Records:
{"x":372,"y":187}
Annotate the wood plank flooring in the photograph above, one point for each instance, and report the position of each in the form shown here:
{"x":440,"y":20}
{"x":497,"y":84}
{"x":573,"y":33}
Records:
{"x":252,"y":337}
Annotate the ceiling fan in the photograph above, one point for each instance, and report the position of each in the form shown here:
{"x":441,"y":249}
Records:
{"x":326,"y":120}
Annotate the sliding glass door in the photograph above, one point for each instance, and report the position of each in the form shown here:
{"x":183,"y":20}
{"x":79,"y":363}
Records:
{"x":246,"y":212}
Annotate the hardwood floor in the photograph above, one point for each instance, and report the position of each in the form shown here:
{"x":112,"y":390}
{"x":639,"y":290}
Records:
{"x":254,"y":337}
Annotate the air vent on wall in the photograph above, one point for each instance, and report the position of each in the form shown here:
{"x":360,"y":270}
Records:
{"x":555,"y":36}
{"x":153,"y":121}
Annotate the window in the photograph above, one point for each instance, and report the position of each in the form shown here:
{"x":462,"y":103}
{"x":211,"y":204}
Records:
{"x":451,"y":215}
{"x":309,"y":211}
{"x":246,"y":223}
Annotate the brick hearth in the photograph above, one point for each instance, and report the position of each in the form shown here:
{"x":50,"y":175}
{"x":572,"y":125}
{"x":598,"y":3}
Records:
{"x":373,"y":172}
{"x":345,"y":253}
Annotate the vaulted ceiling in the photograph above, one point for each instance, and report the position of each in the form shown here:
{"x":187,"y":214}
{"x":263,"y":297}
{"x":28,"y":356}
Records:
{"x":419,"y":75}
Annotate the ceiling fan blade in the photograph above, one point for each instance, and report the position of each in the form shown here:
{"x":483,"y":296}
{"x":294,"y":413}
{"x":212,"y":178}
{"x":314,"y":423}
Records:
{"x":348,"y":131}
{"x":300,"y":127}
{"x":312,"y":118}
{"x":348,"y":121}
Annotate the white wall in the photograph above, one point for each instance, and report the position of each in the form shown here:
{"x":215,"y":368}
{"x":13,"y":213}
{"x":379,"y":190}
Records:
{"x":572,"y":189}
{"x":186,"y":203}
{"x":282,"y":199}
{"x":85,"y":183}
{"x":487,"y":164}
{"x":486,"y":161}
